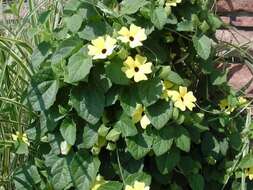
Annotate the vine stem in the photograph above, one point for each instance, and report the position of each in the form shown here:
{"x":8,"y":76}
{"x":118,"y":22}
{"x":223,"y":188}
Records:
{"x":120,"y":168}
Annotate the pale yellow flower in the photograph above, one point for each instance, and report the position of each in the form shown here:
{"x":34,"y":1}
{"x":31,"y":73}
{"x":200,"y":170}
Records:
{"x":166,"y":86}
{"x":249,"y":173}
{"x":172,"y":3}
{"x":99,"y":181}
{"x":137,"y":186}
{"x":140,"y":116}
{"x":182,"y":99}
{"x":137,"y":68}
{"x":21,"y":137}
{"x":65,"y":147}
{"x":242,"y":100}
{"x":102,"y":47}
{"x":226,"y":107}
{"x":134,"y":35}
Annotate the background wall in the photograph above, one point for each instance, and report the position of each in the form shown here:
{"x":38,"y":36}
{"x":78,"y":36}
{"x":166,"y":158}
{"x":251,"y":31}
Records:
{"x":239,"y":14}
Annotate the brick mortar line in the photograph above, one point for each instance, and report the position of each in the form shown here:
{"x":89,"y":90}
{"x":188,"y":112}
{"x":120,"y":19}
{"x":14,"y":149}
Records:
{"x":235,"y":13}
{"x":244,"y":28}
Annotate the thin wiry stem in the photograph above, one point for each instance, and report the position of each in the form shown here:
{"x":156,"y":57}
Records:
{"x":120,"y":168}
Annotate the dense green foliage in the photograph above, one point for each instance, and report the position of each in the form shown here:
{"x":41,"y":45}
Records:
{"x":95,"y":120}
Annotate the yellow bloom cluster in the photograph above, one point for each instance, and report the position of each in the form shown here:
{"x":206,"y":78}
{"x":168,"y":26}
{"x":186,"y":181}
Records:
{"x":21,"y":137}
{"x":103,"y":46}
{"x":138,"y":68}
{"x":137,"y":186}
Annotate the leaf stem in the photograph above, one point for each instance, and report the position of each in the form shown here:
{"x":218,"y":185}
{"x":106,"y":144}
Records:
{"x":120,"y":168}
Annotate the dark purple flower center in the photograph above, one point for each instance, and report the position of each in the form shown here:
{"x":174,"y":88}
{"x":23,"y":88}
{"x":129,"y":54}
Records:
{"x":131,"y":38}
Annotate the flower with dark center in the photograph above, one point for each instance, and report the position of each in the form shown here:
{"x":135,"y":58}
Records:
{"x":137,"y":68}
{"x":224,"y":105}
{"x":135,"y":35}
{"x":101,"y":47}
{"x":182,"y":99}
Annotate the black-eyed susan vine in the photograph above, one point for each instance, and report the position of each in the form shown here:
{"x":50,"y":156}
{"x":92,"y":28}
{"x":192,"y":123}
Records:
{"x":102,"y":47}
{"x":129,"y":97}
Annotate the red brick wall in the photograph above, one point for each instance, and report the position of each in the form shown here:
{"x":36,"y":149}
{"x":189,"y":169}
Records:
{"x":238,"y":14}
{"x":235,"y":5}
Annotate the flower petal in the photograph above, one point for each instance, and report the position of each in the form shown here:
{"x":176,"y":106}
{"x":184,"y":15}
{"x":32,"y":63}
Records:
{"x":99,"y":42}
{"x":139,"y":77}
{"x":124,"y":31}
{"x":100,"y":56}
{"x":98,"y":182}
{"x":110,"y":42}
{"x":189,"y":105}
{"x":134,"y":30}
{"x":145,"y":122}
{"x":174,"y":95}
{"x":123,"y":39}
{"x":141,"y":35}
{"x":93,"y":50}
{"x":146,"y":68}
{"x":135,"y":43}
{"x":242,"y":100}
{"x":129,"y":62}
{"x":130,"y":73}
{"x":190,"y":97}
{"x":139,"y":185}
{"x":171,"y":4}
{"x":140,"y":59}
{"x":182,"y":90}
{"x":179,"y":104}
{"x":14,"y":137}
{"x":223,"y":104}
{"x":137,"y":115}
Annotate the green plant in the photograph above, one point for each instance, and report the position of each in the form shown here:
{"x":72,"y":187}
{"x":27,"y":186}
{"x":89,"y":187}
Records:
{"x":18,"y":37}
{"x":129,"y":97}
